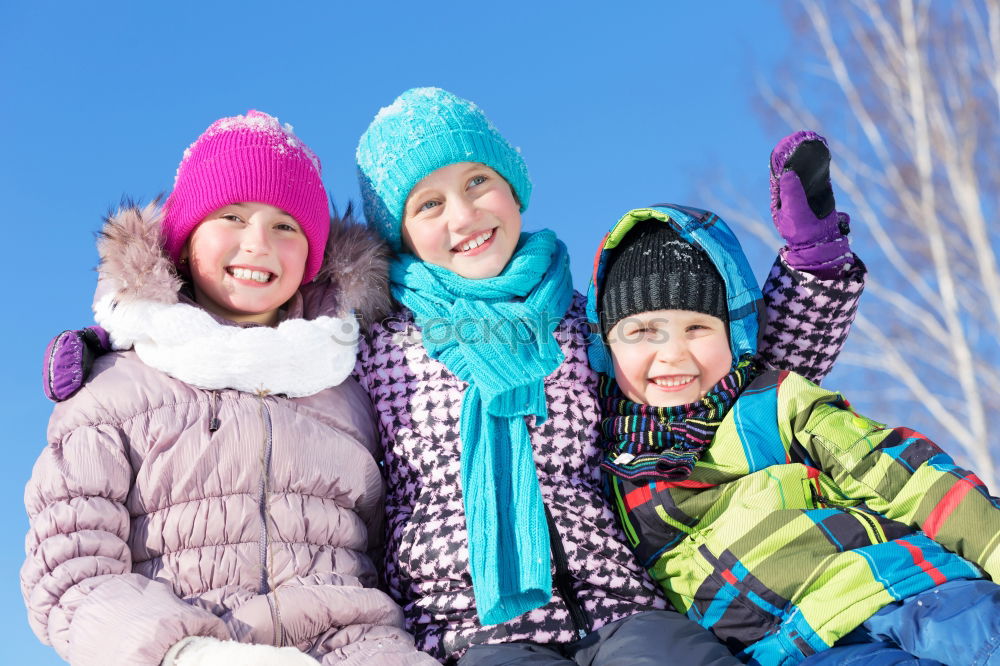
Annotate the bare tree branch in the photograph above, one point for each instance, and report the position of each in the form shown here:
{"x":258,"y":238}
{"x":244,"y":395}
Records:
{"x":914,"y":88}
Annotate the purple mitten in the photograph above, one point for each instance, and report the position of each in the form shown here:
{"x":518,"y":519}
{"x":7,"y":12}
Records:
{"x":803,"y":207}
{"x":69,"y":359}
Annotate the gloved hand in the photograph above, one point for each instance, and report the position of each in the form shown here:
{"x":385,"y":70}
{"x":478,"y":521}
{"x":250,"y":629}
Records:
{"x":803,"y":207}
{"x":207,"y":651}
{"x":69,"y":359}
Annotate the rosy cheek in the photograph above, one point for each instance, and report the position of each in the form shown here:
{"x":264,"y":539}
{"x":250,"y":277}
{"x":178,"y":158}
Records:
{"x":420,"y":240}
{"x":628,"y":375}
{"x":723,"y":362}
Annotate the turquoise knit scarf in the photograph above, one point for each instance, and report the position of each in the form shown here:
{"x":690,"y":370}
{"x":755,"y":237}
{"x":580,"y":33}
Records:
{"x":496,"y":334}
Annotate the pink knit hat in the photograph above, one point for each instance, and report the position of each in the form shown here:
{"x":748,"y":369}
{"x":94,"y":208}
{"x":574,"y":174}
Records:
{"x":244,"y":159}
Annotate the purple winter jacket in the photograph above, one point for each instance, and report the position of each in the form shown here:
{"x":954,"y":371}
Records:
{"x":595,"y":578}
{"x":161,"y":510}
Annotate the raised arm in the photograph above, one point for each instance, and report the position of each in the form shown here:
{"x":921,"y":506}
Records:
{"x":811,"y":294}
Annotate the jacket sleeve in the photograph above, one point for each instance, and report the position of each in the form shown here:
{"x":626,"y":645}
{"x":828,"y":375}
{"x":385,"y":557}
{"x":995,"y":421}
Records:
{"x":808,"y":319}
{"x":76,"y":580}
{"x":902,"y":475}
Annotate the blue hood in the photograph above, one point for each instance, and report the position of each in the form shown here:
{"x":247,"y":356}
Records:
{"x":704,"y":230}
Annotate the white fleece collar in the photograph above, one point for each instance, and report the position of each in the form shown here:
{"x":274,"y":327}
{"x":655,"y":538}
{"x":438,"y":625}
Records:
{"x":296,"y":358}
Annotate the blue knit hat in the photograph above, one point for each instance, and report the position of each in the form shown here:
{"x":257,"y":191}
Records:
{"x":425,"y":129}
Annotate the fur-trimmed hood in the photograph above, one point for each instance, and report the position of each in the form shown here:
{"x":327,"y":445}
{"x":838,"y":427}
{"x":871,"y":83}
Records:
{"x":140,"y":301}
{"x":353,"y":277}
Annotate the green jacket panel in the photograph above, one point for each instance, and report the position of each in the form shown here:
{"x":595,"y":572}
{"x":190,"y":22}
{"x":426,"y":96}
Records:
{"x":802,"y":519}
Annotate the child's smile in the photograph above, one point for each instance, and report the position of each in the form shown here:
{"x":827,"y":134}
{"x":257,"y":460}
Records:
{"x":463,"y":217}
{"x":246,"y":261}
{"x":672,"y":383}
{"x":667,"y":358}
{"x":477,"y":245}
{"x":251,"y":275}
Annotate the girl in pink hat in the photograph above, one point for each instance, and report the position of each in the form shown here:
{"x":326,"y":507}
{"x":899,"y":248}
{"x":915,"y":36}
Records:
{"x":211,"y":495}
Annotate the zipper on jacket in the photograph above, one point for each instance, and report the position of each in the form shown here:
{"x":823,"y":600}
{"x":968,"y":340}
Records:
{"x":873,"y":526}
{"x":213,"y":413}
{"x":264,"y":487}
{"x":564,"y":580}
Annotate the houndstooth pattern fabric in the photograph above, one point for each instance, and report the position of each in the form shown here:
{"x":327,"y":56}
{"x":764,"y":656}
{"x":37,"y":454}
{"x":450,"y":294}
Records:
{"x":808,"y":319}
{"x":418,"y":402}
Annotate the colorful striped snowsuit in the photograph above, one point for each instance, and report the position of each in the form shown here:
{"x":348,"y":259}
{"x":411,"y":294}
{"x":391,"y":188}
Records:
{"x":802,"y":519}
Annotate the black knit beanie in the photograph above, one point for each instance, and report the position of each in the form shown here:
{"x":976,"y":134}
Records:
{"x":653,"y":268}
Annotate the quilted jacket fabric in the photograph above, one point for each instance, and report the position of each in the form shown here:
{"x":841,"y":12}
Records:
{"x":160,"y":510}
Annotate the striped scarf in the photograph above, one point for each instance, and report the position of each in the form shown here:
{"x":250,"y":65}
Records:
{"x":664,"y":443}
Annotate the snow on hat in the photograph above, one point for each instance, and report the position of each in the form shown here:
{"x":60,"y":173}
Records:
{"x":425,"y":129}
{"x":654,"y":268}
{"x":250,"y":158}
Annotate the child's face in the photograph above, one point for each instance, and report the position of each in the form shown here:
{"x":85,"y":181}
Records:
{"x":246,"y":261}
{"x":463,"y":217}
{"x":667,"y":358}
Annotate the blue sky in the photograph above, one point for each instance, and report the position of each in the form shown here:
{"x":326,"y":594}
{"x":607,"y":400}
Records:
{"x":614,"y":105}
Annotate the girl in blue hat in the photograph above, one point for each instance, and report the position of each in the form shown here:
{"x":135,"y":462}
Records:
{"x":502,"y":547}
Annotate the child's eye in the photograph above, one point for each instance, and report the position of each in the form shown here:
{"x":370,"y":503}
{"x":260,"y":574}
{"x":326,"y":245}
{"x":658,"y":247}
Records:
{"x":427,"y":205}
{"x":699,"y":330}
{"x":477,"y":180}
{"x":286,"y":226}
{"x":232,"y":217}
